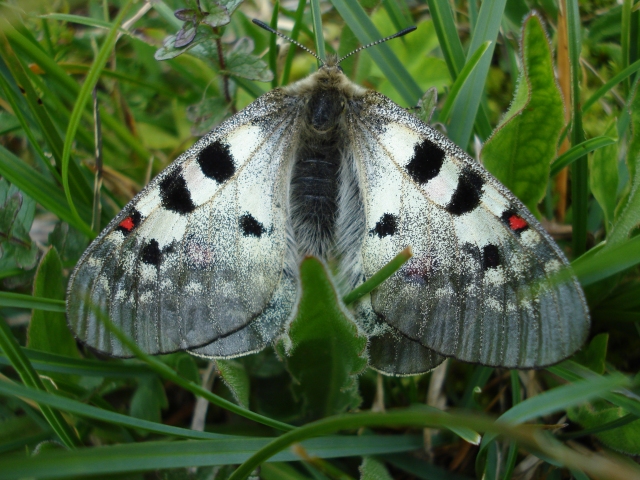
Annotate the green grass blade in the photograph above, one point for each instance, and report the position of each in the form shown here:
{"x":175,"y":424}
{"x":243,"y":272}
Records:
{"x":52,"y":363}
{"x":579,"y":169}
{"x":273,"y":47}
{"x":59,"y":75}
{"x":169,"y":374}
{"x":447,"y":32}
{"x":30,"y":378}
{"x":88,"y":411}
{"x":14,"y":100}
{"x":380,"y":276}
{"x":80,"y":20}
{"x":461,"y":81}
{"x":605,"y":262}
{"x":616,"y":79}
{"x":363,"y":28}
{"x":149,"y":456}
{"x":298,"y":22}
{"x":625,"y":36}
{"x":579,"y":151}
{"x":19,"y":300}
{"x":558,"y":399}
{"x":32,"y":183}
{"x":318,"y":37}
{"x":572,"y":372}
{"x":80,"y":105}
{"x":396,"y":14}
{"x":419,"y":418}
{"x":465,"y":109}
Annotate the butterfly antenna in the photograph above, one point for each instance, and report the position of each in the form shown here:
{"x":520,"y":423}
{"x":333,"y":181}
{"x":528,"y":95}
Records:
{"x":291,"y":40}
{"x":382,"y":40}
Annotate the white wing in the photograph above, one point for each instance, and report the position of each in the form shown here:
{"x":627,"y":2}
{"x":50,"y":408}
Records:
{"x":476,"y":287}
{"x":200,"y":254}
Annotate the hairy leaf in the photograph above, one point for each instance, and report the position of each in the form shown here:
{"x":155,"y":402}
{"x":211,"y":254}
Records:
{"x":520,"y":150}
{"x":327,"y":349}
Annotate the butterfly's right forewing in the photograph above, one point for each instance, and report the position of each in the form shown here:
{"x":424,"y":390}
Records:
{"x":199,"y":254}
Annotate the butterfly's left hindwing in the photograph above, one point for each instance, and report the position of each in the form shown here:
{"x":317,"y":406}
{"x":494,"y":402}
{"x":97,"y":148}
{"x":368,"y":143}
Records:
{"x":199,"y":255}
{"x":477,"y":286}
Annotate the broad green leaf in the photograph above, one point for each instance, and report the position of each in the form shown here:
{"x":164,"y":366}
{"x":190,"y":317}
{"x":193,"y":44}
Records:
{"x":327,"y":349}
{"x":373,"y":469}
{"x":149,"y":400}
{"x":625,"y":439}
{"x":16,"y":216}
{"x":48,"y":330}
{"x":594,"y":356}
{"x":520,"y":150}
{"x":207,"y":114}
{"x":235,"y":376}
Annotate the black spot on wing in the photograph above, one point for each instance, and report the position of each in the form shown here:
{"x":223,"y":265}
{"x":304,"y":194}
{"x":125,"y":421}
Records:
{"x":426,"y":162}
{"x":387,"y":225}
{"x":216,"y":162}
{"x":250,"y":226}
{"x":490,"y":257}
{"x":175,"y":194}
{"x":151,"y":254}
{"x":468,"y":192}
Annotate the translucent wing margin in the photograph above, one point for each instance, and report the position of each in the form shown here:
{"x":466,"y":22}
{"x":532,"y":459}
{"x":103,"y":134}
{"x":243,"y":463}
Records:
{"x":199,"y":255}
{"x":479,"y":286}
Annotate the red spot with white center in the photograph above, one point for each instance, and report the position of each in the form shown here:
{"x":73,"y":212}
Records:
{"x":517,"y":223}
{"x":127,"y":224}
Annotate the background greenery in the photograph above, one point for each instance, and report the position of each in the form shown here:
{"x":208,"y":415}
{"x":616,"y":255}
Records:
{"x":158,"y":81}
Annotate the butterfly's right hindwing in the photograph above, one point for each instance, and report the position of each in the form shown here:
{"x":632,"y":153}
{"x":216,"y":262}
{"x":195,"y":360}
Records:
{"x":480,"y":286}
{"x":199,"y":255}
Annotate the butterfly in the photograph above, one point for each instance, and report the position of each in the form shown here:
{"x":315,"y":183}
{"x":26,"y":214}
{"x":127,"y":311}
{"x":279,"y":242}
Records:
{"x":205,"y":258}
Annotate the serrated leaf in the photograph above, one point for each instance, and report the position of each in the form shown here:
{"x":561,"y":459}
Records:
{"x":238,"y":59}
{"x":327,"y":350}
{"x":169,"y":49}
{"x":231,"y":5}
{"x":149,"y":399}
{"x":215,"y":14}
{"x":186,"y":34}
{"x":48,"y":330}
{"x":235,"y":376}
{"x":373,"y":469}
{"x":521,"y":149}
{"x":16,"y":216}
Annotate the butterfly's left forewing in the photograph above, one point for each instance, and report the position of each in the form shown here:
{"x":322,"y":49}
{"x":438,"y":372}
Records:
{"x":199,"y":256}
{"x":478,"y":286}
